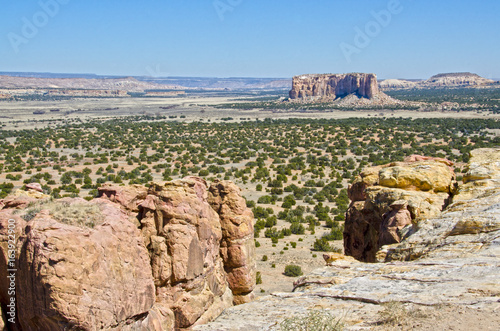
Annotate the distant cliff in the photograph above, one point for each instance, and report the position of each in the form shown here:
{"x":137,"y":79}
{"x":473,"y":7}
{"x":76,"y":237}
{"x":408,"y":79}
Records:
{"x":333,"y":86}
{"x":457,"y":79}
{"x":448,"y":80}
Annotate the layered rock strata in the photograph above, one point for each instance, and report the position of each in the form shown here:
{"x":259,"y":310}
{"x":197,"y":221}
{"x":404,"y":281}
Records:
{"x":330,"y":87}
{"x":468,"y":226}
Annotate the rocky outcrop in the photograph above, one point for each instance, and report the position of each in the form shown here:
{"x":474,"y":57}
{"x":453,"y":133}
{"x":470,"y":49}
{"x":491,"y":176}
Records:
{"x":425,"y":183}
{"x":183,"y":233}
{"x":459,"y":79}
{"x":237,"y":246}
{"x":76,"y":278}
{"x":154,"y":258}
{"x":470,"y":224}
{"x":456,"y":79}
{"x":448,"y":270}
{"x":328,"y":87}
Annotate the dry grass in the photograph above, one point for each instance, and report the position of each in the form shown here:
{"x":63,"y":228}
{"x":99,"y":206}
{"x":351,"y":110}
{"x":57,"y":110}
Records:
{"x":315,"y":320}
{"x":78,"y":214}
{"x":395,"y":313}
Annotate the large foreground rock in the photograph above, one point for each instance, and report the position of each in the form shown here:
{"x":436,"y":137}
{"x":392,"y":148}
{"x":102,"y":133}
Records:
{"x":449,"y":264}
{"x":183,"y":235}
{"x":72,"y":277}
{"x":426,"y":184}
{"x":470,"y":225}
{"x":136,"y":258}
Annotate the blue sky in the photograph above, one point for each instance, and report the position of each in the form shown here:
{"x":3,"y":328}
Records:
{"x":251,"y":38}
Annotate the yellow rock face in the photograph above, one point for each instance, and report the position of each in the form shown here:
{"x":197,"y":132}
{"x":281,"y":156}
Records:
{"x":30,"y":194}
{"x":419,"y":176}
{"x":334,"y":257}
{"x":426,"y":184}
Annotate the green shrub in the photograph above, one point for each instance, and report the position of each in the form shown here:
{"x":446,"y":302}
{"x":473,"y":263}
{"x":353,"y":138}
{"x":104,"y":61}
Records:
{"x":335,"y":234}
{"x":258,"y":278}
{"x":264,"y":258}
{"x":322,"y":245}
{"x":292,"y":270}
{"x":297,"y":228}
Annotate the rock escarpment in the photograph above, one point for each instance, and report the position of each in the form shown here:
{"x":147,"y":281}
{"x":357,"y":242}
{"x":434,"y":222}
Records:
{"x":425,"y":183}
{"x":457,"y":79}
{"x":449,"y":265}
{"x":448,"y":80}
{"x":328,"y":87}
{"x":136,"y":259}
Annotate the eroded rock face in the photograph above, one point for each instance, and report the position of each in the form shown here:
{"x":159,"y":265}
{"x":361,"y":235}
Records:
{"x":330,"y":87}
{"x":427,"y":185}
{"x":152,"y":261}
{"x":470,"y":224}
{"x":73,"y":277}
{"x":129,"y":197}
{"x":393,"y":222}
{"x":237,"y":246}
{"x":183,"y":235}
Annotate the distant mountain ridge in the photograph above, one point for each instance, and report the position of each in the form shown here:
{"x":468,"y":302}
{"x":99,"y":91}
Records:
{"x":232,"y":83}
{"x":172,"y":82}
{"x":128,"y":84}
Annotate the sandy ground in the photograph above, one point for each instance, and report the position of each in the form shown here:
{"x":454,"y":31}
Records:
{"x":19,"y":115}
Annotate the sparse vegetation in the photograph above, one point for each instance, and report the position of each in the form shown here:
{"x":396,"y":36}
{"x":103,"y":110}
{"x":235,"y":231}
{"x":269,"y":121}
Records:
{"x":77,"y":214}
{"x":316,"y":320}
{"x":395,"y":313}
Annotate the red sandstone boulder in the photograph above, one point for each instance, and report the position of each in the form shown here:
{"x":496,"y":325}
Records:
{"x":71,"y":276}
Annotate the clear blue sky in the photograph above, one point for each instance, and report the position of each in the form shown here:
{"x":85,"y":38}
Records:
{"x":250,"y":38}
